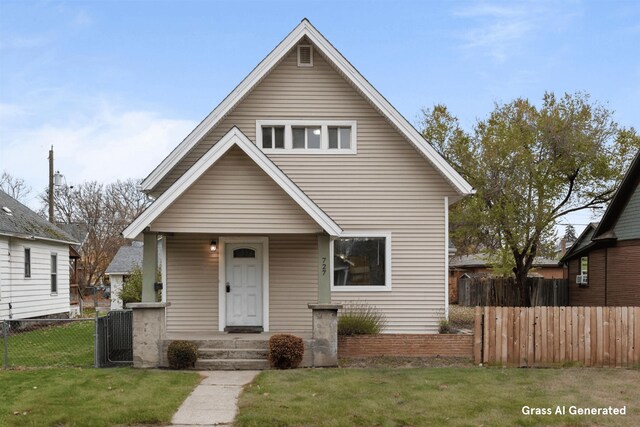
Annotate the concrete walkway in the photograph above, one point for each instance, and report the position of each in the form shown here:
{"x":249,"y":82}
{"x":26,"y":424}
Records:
{"x":214,"y":402}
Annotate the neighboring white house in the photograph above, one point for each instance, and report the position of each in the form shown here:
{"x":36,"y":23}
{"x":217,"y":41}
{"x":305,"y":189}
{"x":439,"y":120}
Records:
{"x":124,"y":262}
{"x":34,"y":263}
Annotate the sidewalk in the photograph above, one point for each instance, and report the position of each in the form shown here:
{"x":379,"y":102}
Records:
{"x":214,"y":402}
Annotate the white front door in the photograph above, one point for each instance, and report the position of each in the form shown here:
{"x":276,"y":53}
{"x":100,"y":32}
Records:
{"x":243,"y":284}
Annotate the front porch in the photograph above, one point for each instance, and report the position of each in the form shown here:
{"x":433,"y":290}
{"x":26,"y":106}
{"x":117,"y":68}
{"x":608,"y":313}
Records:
{"x":284,"y":287}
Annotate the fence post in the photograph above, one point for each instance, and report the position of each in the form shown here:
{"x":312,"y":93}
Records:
{"x":5,"y":338}
{"x":95,"y":331}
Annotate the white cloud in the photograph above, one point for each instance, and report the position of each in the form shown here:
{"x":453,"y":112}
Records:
{"x":103,"y":145}
{"x":501,"y":30}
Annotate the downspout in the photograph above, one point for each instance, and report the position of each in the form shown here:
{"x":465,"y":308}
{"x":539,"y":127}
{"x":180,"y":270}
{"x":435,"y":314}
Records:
{"x":10,"y":281}
{"x":446,"y":257}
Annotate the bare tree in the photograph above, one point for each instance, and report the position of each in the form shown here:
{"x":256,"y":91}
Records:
{"x":105,"y":210}
{"x":15,"y":187}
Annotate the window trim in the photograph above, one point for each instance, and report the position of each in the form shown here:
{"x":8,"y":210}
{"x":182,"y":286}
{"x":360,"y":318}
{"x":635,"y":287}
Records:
{"x":54,"y":255}
{"x":387,"y":263}
{"x":27,"y":250}
{"x":324,"y":136}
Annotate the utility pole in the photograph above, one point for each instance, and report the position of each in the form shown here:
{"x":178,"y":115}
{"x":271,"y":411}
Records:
{"x":51,"y":185}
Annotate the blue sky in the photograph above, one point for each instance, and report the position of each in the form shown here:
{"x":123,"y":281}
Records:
{"x":115,"y":85}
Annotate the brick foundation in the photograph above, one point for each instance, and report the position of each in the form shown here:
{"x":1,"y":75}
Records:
{"x":406,"y":345}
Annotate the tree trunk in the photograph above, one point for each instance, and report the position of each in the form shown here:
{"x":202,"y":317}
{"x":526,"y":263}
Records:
{"x":521,"y":284}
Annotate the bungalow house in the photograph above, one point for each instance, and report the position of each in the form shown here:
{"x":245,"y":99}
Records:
{"x":604,"y":263}
{"x":34,"y":264}
{"x":125,"y":261}
{"x":303,"y":186}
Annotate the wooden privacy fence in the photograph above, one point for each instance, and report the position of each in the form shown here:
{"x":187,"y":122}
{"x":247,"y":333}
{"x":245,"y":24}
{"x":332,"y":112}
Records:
{"x":551,"y":336}
{"x":497,"y":291}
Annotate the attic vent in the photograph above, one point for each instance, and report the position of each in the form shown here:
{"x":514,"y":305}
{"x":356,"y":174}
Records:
{"x":305,"y":55}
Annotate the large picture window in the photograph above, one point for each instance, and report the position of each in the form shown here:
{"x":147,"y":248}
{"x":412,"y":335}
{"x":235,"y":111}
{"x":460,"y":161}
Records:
{"x":362,"y":263}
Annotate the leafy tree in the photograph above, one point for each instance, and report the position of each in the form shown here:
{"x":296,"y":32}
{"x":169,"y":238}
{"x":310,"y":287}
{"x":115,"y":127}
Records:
{"x":570,"y":233}
{"x":529,"y":166}
{"x":131,"y":291}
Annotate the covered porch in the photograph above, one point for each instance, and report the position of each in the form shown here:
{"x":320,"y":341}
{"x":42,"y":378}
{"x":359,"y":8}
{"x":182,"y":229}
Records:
{"x":217,"y":286}
{"x":244,"y":250}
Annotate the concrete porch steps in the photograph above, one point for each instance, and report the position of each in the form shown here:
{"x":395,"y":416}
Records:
{"x":231,"y":364}
{"x":231,"y":352}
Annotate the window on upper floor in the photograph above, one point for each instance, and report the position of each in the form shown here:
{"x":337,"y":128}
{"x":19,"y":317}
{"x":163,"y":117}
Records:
{"x":306,"y":136}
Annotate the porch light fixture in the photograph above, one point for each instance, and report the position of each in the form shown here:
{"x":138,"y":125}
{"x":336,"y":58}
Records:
{"x":214,"y":245}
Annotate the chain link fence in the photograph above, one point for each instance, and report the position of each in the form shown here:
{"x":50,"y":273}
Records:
{"x":28,"y":343}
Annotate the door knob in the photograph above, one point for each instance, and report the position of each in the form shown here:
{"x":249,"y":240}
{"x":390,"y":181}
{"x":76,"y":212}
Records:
{"x":228,"y":287}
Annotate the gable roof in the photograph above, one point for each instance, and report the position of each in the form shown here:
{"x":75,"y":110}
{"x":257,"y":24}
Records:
{"x":17,"y":220}
{"x":78,"y":230}
{"x":126,"y":259}
{"x":481,"y":260}
{"x":305,"y":29}
{"x":233,"y":138}
{"x":582,"y":244}
{"x":619,"y":201}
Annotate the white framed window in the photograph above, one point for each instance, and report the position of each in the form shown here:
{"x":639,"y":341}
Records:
{"x":27,"y":263}
{"x":54,"y":273}
{"x":307,"y":136}
{"x":361,"y":262}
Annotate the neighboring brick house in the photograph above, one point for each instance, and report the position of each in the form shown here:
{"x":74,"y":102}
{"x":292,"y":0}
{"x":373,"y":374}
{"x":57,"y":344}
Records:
{"x":604,"y":263}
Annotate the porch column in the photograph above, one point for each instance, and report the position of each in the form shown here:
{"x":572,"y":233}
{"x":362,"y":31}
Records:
{"x":149,"y":266}
{"x":325,"y":334}
{"x":324,"y":275}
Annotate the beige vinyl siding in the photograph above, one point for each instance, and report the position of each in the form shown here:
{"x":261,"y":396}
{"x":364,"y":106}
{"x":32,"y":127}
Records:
{"x":293,"y":277}
{"x":192,"y":284}
{"x":235,"y":196}
{"x":386,"y":186}
{"x":32,"y":297}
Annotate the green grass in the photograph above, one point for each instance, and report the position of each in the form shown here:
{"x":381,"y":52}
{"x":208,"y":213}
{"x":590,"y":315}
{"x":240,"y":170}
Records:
{"x":91,"y":397}
{"x":436,"y":397}
{"x":70,"y":344}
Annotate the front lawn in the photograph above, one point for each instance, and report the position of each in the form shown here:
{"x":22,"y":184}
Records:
{"x":436,"y":396}
{"x":91,"y":397}
{"x":55,"y":345}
